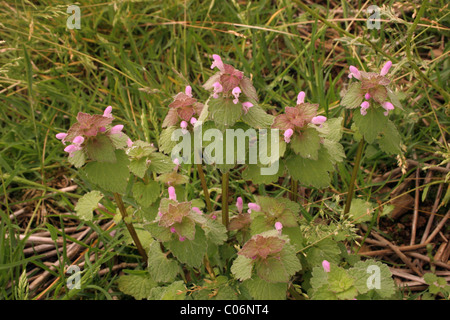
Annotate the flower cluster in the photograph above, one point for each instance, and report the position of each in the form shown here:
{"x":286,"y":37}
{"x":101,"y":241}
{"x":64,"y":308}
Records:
{"x":182,"y":110}
{"x":297,"y":118}
{"x":88,"y":129}
{"x":373,"y":86}
{"x":230,"y":83}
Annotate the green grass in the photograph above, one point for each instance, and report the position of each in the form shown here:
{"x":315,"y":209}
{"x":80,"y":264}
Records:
{"x":135,"y":56}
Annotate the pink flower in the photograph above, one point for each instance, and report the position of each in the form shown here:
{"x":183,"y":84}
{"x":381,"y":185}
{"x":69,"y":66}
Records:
{"x":287,"y":135}
{"x":364,"y":106}
{"x":385,"y":68}
{"x":193,"y":120}
{"x":239,"y":204}
{"x":354,"y":72}
{"x":254,"y":207}
{"x":319,"y":120}
{"x":177,"y":163}
{"x":388,"y":107}
{"x":217,"y":89}
{"x":367,"y":96}
{"x":326,"y":265}
{"x":160,"y":214}
{"x":71,"y":148}
{"x":246,"y":105}
{"x":172,"y":229}
{"x":182,"y":238}
{"x":78,"y":140}
{"x":301,"y":97}
{"x":102,"y":129}
{"x":108,"y":112}
{"x":197,"y":210}
{"x":214,"y":217}
{"x":129,"y":143}
{"x":61,"y":135}
{"x":183,"y":124}
{"x":278,"y":226}
{"x":116,"y":129}
{"x":188,"y":91}
{"x":172,"y":194}
{"x":235,"y":92}
{"x":217,"y":63}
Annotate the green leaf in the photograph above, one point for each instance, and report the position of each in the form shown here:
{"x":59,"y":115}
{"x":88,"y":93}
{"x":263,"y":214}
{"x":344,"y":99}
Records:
{"x":160,"y":163}
{"x":393,"y":96}
{"x":326,"y":249}
{"x":373,"y":275}
{"x":100,"y":148}
{"x":263,"y":290}
{"x":119,"y":140}
{"x":279,"y":269}
{"x":353,"y":97}
{"x":242,"y":268}
{"x":256,"y":117}
{"x":87,"y":204}
{"x":309,"y":171}
{"x":138,"y":167}
{"x":175,"y":291}
{"x":190,"y":252}
{"x":137,"y":286}
{"x":306,"y":144}
{"x":160,"y":268}
{"x":146,"y":194}
{"x":254,"y":174}
{"x":215,"y":231}
{"x":224,"y":112}
{"x":144,"y":236}
{"x":372,"y":124}
{"x":341,"y":284}
{"x":112,"y":177}
{"x":335,"y":150}
{"x":165,"y":140}
{"x":361,"y":210}
{"x":390,"y":139}
{"x":78,"y":158}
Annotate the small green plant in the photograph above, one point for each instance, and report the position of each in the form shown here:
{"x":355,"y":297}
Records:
{"x":262,"y":253}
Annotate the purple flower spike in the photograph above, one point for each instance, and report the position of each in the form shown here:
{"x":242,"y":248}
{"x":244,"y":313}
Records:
{"x":188,"y":91}
{"x":354,"y":72}
{"x":239,"y":204}
{"x":236,"y":92}
{"x":326,"y":265}
{"x":172,"y":194}
{"x":301,"y":97}
{"x":254,"y":207}
{"x":218,"y":63}
{"x":319,"y":120}
{"x":385,"y":68}
{"x":287,"y":135}
{"x":108,"y":112}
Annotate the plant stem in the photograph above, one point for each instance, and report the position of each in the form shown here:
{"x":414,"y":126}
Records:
{"x":130,"y":227}
{"x":294,"y":190}
{"x":204,"y":187}
{"x":351,"y":187}
{"x":225,"y":178}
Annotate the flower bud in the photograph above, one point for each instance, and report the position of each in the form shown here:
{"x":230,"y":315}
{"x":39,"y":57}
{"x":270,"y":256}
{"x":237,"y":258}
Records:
{"x":301,"y":97}
{"x":108,"y":112}
{"x":354,"y":72}
{"x":326,"y":265}
{"x":385,"y":68}
{"x":116,"y":129}
{"x":172,"y":194}
{"x":239,"y":204}
{"x":254,"y":207}
{"x":288,"y":134}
